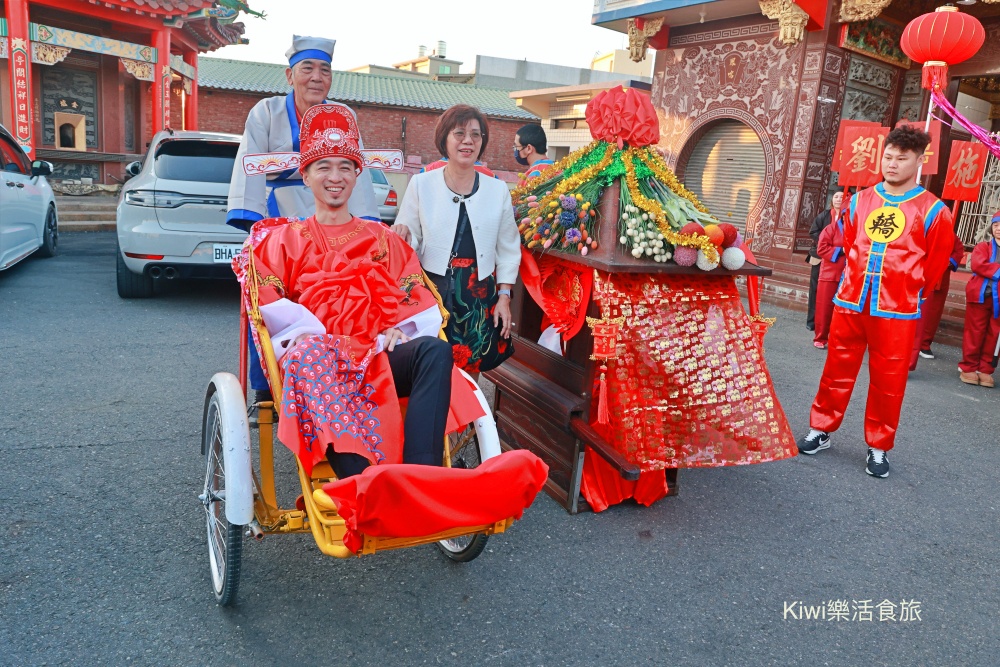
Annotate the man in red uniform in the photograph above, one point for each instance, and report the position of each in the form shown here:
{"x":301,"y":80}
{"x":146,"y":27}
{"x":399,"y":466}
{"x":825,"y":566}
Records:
{"x":933,"y":307}
{"x":897,"y":238}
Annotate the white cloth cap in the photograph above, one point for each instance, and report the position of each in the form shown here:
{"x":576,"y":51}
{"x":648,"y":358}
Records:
{"x":302,"y":48}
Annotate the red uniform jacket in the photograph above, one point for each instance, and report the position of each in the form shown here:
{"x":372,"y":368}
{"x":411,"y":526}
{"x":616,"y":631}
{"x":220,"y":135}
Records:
{"x":985,"y":271}
{"x":830,"y":248}
{"x":897,"y":248}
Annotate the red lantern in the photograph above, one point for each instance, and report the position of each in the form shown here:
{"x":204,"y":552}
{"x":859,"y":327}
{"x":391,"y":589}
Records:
{"x":941,"y":38}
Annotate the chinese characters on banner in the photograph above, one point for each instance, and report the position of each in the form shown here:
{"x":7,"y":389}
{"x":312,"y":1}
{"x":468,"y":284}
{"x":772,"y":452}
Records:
{"x":861,"y":156}
{"x":22,"y":110}
{"x":965,"y":171}
{"x":931,"y":155}
{"x":844,"y":126}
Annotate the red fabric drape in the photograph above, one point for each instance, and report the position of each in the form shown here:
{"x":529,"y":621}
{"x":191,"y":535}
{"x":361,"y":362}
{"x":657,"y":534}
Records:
{"x":603,"y":487}
{"x":412,"y":501}
{"x":560,"y":288}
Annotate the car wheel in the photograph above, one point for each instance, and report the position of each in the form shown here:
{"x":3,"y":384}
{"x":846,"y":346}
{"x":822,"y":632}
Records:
{"x":50,"y":235}
{"x":131,"y":285}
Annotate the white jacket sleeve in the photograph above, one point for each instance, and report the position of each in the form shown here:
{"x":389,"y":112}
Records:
{"x":409,"y":213}
{"x":285,"y":321}
{"x":508,"y":249}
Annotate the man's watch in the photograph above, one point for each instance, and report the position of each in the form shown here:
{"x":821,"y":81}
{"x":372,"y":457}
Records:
{"x":504,"y":292}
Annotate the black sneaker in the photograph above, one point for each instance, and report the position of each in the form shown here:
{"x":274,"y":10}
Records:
{"x":926,"y":354}
{"x":814,"y":442}
{"x":878,"y":463}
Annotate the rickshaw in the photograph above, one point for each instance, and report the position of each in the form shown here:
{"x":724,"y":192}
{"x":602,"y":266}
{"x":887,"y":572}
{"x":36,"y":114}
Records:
{"x":241,"y":501}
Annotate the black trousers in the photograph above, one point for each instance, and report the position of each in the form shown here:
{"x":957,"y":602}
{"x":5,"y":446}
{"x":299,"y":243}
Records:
{"x":813,"y":283}
{"x":421,"y":370}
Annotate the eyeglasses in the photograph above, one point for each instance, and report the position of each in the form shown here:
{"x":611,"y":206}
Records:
{"x":519,"y":148}
{"x":460,"y":135}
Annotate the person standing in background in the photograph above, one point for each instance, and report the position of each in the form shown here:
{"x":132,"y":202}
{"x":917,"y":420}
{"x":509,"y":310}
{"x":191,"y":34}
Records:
{"x":819,"y":224}
{"x":933,"y":306}
{"x":830,"y":249}
{"x":982,"y":310}
{"x":531,"y":150}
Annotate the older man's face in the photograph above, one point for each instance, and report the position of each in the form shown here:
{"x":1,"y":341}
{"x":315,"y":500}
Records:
{"x":310,"y":79}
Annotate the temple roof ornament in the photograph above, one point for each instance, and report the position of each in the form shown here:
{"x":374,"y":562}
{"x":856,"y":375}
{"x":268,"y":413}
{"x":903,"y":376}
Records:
{"x":48,"y":54}
{"x":639,"y":32}
{"x":863,"y":10}
{"x":792,"y":19}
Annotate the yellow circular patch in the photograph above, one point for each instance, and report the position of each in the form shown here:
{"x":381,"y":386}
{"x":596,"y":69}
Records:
{"x":885,"y":224}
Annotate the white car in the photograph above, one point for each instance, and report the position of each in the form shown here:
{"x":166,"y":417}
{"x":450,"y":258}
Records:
{"x":385,"y":195}
{"x":172,"y":212}
{"x":28,"y":220}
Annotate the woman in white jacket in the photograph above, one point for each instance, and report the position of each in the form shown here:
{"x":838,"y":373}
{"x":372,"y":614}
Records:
{"x":462,"y":226}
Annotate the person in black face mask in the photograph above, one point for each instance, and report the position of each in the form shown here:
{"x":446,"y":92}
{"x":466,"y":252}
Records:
{"x":530,"y":147}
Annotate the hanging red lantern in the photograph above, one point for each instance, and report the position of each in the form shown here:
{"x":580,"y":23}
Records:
{"x":943,"y":37}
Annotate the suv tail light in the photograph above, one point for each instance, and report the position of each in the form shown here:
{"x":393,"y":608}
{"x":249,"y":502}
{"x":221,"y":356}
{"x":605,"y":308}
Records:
{"x":390,"y":199}
{"x":153,"y":198}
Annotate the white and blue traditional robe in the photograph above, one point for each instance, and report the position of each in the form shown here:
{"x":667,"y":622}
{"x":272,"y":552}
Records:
{"x":272,"y":127}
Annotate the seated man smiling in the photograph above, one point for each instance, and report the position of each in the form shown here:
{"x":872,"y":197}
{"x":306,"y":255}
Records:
{"x":351,"y":322}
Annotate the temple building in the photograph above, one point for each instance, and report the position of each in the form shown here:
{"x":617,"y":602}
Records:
{"x":86,"y":84}
{"x":751,"y":93}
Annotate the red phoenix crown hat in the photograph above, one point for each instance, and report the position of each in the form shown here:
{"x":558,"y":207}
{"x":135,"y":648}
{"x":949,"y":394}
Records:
{"x":329,"y":130}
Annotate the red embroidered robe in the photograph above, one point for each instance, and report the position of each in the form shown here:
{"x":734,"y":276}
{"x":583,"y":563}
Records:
{"x":357,"y":280}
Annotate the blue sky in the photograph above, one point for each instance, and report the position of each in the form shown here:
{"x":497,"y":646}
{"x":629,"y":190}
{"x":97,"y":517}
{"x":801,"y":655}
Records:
{"x":383,"y":32}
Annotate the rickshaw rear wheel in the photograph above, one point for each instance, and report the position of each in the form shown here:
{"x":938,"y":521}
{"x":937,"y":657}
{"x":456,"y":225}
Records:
{"x":225,"y":540}
{"x":464,"y":454}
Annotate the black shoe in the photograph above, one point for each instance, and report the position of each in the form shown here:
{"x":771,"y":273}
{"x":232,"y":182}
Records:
{"x":878,"y":463}
{"x":257,"y":396}
{"x":926,"y":354}
{"x":814,"y":442}
{"x":811,"y":327}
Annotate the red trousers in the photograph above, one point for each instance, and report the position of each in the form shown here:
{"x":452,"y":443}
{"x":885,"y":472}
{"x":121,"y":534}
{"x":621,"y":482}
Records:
{"x":930,"y":312}
{"x":889,"y":343}
{"x":825,"y":291}
{"x":930,"y":319}
{"x":979,"y":339}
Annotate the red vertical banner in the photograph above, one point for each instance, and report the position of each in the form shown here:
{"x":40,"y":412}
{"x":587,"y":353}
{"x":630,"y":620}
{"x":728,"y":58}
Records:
{"x":965,"y":171}
{"x":19,"y":65}
{"x":844,"y":126}
{"x":161,"y":80}
{"x":932,"y":154}
{"x":861,"y":156}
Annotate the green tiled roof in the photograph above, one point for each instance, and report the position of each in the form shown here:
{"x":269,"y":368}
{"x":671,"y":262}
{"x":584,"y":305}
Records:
{"x":267,"y":78}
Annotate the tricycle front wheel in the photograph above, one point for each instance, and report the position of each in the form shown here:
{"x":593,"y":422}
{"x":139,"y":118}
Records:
{"x":225,"y":540}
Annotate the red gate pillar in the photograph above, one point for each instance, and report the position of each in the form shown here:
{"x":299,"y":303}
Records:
{"x":191,"y":102}
{"x":19,"y":65}
{"x":161,"y":80}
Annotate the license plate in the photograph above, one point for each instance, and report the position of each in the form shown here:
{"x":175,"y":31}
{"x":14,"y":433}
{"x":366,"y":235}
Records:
{"x":224,"y":252}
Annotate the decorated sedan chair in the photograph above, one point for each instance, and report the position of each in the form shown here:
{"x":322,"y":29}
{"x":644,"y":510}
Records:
{"x":337,"y":390}
{"x":634,"y":355}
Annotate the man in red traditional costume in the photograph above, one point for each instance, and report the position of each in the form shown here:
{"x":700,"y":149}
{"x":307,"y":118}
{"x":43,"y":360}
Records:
{"x":351,"y":322}
{"x":933,"y":307}
{"x":897,"y":238}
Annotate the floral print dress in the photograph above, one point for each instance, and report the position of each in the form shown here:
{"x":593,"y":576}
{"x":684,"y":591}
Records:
{"x":476,"y":341}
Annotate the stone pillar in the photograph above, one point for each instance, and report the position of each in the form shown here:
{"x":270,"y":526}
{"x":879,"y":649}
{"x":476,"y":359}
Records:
{"x":191,"y":100}
{"x":19,"y":66}
{"x":161,"y":80}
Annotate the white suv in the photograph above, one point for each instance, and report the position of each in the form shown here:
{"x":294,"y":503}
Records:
{"x":172,"y":213}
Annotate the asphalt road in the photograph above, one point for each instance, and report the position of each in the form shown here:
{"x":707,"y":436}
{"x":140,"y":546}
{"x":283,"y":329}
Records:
{"x":102,"y":542}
